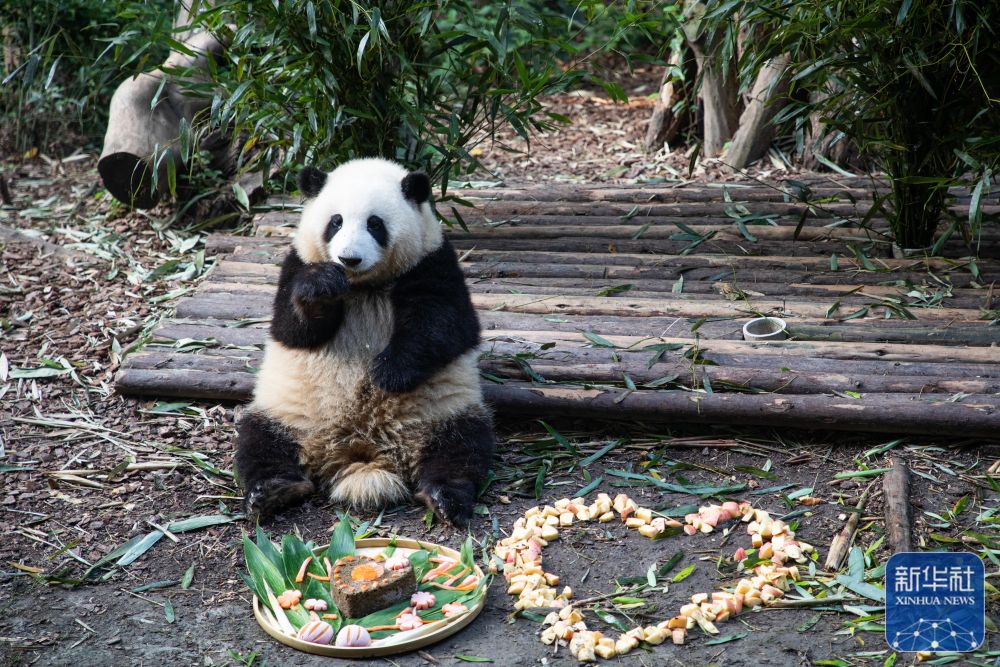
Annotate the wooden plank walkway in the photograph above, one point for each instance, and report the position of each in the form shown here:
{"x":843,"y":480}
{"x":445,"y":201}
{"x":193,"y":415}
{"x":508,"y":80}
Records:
{"x":628,"y":302}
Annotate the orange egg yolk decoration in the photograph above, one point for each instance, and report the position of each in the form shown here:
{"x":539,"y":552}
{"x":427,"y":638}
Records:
{"x":366,"y":572}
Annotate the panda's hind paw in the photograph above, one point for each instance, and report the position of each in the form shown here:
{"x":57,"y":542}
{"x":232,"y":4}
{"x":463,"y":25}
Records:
{"x":265,"y":498}
{"x":451,"y":500}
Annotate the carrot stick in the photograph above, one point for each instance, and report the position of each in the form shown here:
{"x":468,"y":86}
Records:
{"x":317,"y":577}
{"x":449,"y":582}
{"x":445,"y":586}
{"x":330,"y":617}
{"x":300,"y":577}
{"x":377,"y":628}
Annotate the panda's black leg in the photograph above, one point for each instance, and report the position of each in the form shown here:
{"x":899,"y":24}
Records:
{"x":267,"y":462}
{"x":453,"y":465}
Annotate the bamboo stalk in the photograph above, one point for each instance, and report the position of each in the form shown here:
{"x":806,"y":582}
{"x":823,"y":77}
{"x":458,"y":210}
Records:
{"x":842,"y":541}
{"x":898,"y":507}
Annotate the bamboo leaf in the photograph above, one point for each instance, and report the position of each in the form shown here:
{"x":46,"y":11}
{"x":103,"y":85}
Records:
{"x":341,"y":541}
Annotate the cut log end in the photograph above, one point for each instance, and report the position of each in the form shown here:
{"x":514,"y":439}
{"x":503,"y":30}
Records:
{"x":128,"y":178}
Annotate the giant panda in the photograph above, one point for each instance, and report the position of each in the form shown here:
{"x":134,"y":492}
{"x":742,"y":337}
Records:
{"x":369,"y":387}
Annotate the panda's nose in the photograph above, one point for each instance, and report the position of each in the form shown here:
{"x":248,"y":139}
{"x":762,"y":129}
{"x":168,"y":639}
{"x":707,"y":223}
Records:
{"x":349,"y":261}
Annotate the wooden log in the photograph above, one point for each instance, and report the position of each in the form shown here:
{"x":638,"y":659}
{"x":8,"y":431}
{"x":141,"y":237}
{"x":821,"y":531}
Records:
{"x":252,"y":306}
{"x":898,"y":507}
{"x":730,"y":378}
{"x":614,"y":269}
{"x":580,"y":369}
{"x":756,"y":130}
{"x":573,"y":347}
{"x":962,"y":298}
{"x":807,"y":265}
{"x":974,"y":416}
{"x":187,"y":383}
{"x":891,"y":352}
{"x":144,"y":121}
{"x":778,"y":361}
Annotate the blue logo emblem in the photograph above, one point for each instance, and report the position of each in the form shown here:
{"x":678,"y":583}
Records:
{"x":935,"y":602}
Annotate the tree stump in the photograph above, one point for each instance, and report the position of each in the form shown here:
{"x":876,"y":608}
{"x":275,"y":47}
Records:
{"x":144,"y":123}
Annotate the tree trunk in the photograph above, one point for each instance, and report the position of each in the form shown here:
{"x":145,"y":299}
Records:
{"x":672,"y":110}
{"x":144,"y":123}
{"x":756,"y":128}
{"x":719,"y":96}
{"x":820,"y":140}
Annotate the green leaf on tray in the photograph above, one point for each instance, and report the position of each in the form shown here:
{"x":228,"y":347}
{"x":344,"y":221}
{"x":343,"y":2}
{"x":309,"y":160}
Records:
{"x":467,"y":555}
{"x":341,"y":541}
{"x":472,"y":658}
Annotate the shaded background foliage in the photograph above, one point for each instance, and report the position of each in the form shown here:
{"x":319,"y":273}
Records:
{"x":422,"y":82}
{"x":915,"y":85}
{"x":62,"y":61}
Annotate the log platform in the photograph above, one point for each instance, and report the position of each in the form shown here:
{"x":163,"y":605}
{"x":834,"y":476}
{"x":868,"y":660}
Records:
{"x":627,"y":302}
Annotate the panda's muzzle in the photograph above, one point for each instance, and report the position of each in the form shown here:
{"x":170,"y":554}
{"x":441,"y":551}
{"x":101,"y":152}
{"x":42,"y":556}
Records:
{"x":349,"y":262}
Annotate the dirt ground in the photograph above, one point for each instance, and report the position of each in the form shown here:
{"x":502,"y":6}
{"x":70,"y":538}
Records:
{"x":82,"y":282}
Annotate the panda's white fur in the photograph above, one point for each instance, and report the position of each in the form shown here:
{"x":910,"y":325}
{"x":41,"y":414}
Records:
{"x":362,"y":441}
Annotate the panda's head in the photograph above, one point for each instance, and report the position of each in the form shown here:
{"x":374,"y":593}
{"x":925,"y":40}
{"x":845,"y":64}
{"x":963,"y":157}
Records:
{"x":372,"y":217}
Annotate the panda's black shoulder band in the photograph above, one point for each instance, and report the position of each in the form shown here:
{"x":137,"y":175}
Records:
{"x":417,"y":187}
{"x":311,"y":181}
{"x":435,"y":322}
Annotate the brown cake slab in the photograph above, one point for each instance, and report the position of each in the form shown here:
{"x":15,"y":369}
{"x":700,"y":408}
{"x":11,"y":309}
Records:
{"x":361,"y":585}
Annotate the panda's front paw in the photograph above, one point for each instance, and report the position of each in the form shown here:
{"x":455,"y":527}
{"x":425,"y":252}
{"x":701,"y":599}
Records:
{"x":393,"y":374}
{"x":318,"y":286}
{"x":452,"y":500}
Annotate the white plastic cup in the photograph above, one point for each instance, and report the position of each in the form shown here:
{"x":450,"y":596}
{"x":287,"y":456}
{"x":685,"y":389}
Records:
{"x":765,"y":328}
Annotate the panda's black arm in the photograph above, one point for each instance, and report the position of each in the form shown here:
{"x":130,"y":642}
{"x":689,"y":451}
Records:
{"x":308,"y":308}
{"x":435,"y":323}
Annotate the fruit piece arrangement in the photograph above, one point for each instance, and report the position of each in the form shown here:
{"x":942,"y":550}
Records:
{"x":774,"y":567}
{"x":352,"y":600}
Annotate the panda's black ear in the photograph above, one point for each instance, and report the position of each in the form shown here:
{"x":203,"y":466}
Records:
{"x":417,"y":187}
{"x":311,"y":181}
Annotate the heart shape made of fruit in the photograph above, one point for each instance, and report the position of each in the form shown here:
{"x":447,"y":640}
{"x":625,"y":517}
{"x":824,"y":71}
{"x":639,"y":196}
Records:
{"x":519,"y":556}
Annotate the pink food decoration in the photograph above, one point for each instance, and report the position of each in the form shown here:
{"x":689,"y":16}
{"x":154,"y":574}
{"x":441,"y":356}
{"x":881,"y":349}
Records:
{"x":312,"y":604}
{"x":454,"y":609}
{"x":316,"y":632}
{"x":422,"y":600}
{"x":409,"y":622}
{"x":353,"y":636}
{"x":397,"y":563}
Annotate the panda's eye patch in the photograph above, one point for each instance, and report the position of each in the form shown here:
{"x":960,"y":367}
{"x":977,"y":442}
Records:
{"x":376,"y":227}
{"x":333,"y":227}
